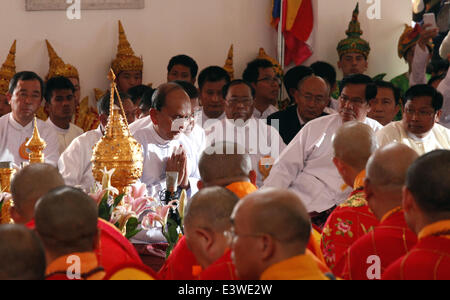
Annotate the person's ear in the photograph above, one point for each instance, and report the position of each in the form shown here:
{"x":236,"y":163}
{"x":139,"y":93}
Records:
{"x":9,"y":97}
{"x":205,"y":238}
{"x":154,"y":116}
{"x":407,"y":200}
{"x":268,"y":247}
{"x":200,"y":185}
{"x":252,"y":176}
{"x":438,"y":115}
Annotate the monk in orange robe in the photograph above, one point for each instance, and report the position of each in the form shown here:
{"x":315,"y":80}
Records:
{"x":391,"y":239}
{"x":426,"y":202}
{"x":263,"y":246}
{"x":353,"y":144}
{"x":66,"y":222}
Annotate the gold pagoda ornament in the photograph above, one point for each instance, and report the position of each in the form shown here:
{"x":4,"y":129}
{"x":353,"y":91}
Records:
{"x":36,"y":146}
{"x":7,"y":172}
{"x":229,"y":63}
{"x":118,"y":149}
{"x":8,"y":70}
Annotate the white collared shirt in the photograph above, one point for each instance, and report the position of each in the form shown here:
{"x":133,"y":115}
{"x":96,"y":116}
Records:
{"x":140,"y":123}
{"x":206,"y":121}
{"x":306,"y":165}
{"x":263,"y":142}
{"x":437,"y":138}
{"x":156,"y":153}
{"x":265,"y":114}
{"x":75,"y":163}
{"x":65,"y":136}
{"x":13,"y":135}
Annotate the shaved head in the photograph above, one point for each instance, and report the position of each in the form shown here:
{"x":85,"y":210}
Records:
{"x":388,"y":165}
{"x":224,"y":163}
{"x":211,"y":208}
{"x":31,"y":183}
{"x":271,"y":211}
{"x":22,"y":255}
{"x":354,"y":143}
{"x":66,"y":221}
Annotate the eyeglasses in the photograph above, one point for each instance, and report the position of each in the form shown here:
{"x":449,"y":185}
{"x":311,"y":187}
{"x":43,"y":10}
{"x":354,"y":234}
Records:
{"x":318,"y":99}
{"x":270,"y":80}
{"x":353,"y":101}
{"x":231,"y":235}
{"x":421,"y":113}
{"x":243,"y":101}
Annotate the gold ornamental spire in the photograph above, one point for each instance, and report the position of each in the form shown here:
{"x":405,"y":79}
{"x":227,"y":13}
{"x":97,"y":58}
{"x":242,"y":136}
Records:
{"x":229,"y":63}
{"x":8,"y":70}
{"x":125,"y":60}
{"x":57,"y":67}
{"x":36,"y":145}
{"x":117,"y":149}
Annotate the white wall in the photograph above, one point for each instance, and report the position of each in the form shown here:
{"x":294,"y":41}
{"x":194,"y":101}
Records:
{"x":203,"y":29}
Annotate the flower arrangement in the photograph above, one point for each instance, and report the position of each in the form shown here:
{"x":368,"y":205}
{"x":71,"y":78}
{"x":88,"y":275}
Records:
{"x":136,"y":211}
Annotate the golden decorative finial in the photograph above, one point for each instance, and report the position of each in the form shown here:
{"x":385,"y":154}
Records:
{"x":57,"y":65}
{"x":125,"y":60}
{"x":118,"y":149}
{"x":6,"y":174}
{"x":229,"y":63}
{"x":36,"y":145}
{"x":276,"y":66}
{"x":8,"y":70}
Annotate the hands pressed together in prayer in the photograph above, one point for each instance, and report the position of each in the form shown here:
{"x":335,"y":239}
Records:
{"x":426,"y":34}
{"x":178,"y":163}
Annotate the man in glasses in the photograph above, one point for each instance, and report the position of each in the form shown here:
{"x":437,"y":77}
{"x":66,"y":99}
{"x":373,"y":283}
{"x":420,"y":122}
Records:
{"x":311,"y":95}
{"x":306,"y":165}
{"x":261,"y":75}
{"x":161,"y":141}
{"x":419,"y":129}
{"x":261,"y":141}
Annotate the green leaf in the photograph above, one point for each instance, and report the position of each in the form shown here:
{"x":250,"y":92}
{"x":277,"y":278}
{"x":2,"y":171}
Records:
{"x":172,"y":231}
{"x":350,"y":234}
{"x":103,"y":210}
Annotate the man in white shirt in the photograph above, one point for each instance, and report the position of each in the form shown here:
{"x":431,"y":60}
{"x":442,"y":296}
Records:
{"x":60,"y":105}
{"x":386,"y":104}
{"x":306,"y":165}
{"x":419,"y":128}
{"x":261,"y":75}
{"x":162,"y":141}
{"x":25,"y":96}
{"x":262,"y":142}
{"x":211,"y":82}
{"x":143,"y":113}
{"x":75,"y":162}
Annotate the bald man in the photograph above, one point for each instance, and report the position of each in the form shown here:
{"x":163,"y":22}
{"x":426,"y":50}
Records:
{"x":228,"y":165}
{"x":426,"y":202}
{"x":353,"y":144}
{"x":391,"y":239}
{"x":28,"y":185}
{"x":66,"y":222}
{"x":263,"y":247}
{"x":207,"y":217}
{"x":22,"y":254}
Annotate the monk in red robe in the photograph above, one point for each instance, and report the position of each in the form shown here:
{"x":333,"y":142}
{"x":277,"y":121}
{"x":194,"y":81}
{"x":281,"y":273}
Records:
{"x":35,"y":181}
{"x":207,"y":218}
{"x":353,"y":144}
{"x":426,"y":202}
{"x":370,"y":255}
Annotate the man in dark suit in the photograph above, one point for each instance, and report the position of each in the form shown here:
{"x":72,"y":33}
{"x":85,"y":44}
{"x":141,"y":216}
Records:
{"x":311,"y":97}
